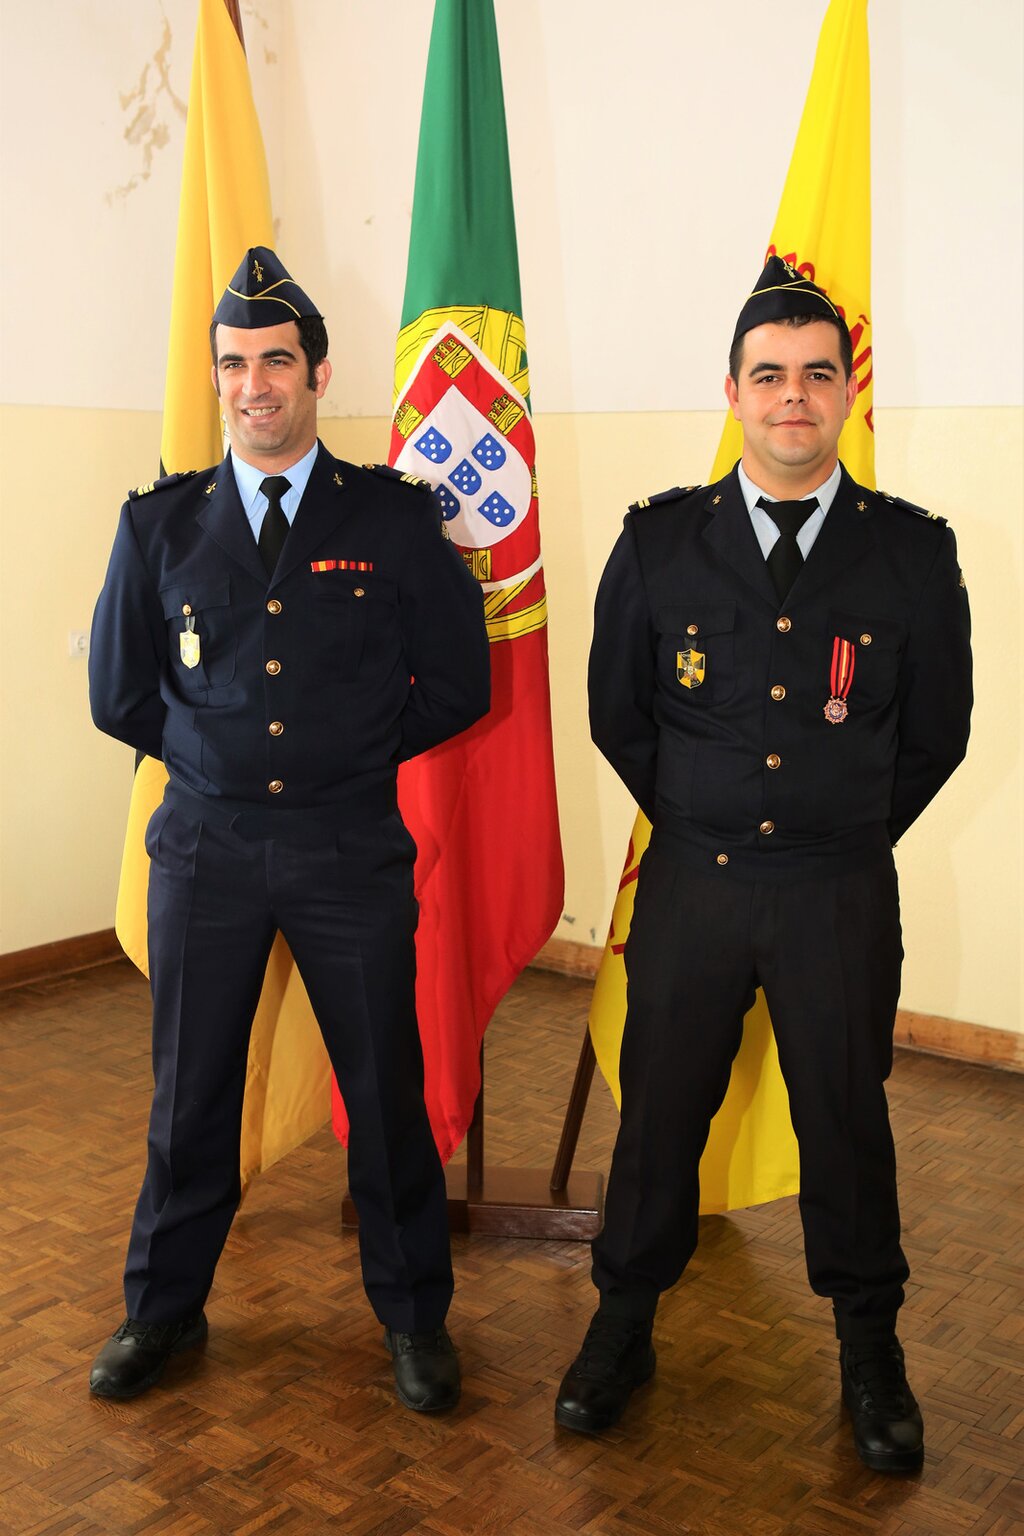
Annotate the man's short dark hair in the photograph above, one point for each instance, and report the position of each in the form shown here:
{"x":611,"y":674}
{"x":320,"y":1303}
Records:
{"x":312,"y":339}
{"x":845,"y":344}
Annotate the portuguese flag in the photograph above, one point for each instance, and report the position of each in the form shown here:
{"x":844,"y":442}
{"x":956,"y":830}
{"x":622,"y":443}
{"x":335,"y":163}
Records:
{"x":482,"y":806}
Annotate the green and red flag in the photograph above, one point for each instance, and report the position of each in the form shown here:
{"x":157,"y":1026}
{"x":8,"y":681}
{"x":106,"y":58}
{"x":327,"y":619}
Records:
{"x":481,"y":807}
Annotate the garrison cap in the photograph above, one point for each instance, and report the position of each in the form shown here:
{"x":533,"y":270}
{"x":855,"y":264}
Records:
{"x":780,"y":293}
{"x":262,"y":293}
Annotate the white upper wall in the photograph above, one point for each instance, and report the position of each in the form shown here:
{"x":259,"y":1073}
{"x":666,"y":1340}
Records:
{"x":649,"y":145}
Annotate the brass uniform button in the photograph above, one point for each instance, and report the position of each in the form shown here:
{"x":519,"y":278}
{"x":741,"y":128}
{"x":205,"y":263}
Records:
{"x":783,"y":625}
{"x":275,"y":727}
{"x":186,"y":609}
{"x":273,"y":606}
{"x":275,"y":786}
{"x":723,"y":858}
{"x":865,"y":639}
{"x":691,"y":629}
{"x":273,"y":667}
{"x":766,"y":827}
{"x":773,"y":760}
{"x":778,"y":692}
{"x":358,"y":591}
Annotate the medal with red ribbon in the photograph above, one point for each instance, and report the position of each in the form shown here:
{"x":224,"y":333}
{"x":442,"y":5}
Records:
{"x":843,"y":658}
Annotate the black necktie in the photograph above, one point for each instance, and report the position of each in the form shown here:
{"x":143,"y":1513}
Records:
{"x":784,"y":558}
{"x":275,"y":524}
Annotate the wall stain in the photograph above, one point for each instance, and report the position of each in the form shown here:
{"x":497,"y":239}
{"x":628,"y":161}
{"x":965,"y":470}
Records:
{"x":252,"y":13}
{"x":148,"y":108}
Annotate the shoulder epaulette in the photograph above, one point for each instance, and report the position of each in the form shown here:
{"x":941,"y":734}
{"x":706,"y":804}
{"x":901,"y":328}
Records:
{"x":161,"y":484}
{"x":675,"y":494}
{"x":908,"y":506}
{"x":388,"y":472}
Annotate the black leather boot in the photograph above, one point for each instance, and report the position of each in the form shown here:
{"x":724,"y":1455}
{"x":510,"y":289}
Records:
{"x":134,"y":1358}
{"x":616,"y":1356}
{"x":887,"y":1427}
{"x":426,"y":1369}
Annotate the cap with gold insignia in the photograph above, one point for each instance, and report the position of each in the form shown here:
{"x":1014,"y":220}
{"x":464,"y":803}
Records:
{"x":780,"y":293}
{"x":262,"y":293}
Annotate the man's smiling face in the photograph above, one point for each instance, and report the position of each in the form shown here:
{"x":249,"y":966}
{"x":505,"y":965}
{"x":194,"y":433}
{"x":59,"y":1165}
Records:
{"x":262,"y":378}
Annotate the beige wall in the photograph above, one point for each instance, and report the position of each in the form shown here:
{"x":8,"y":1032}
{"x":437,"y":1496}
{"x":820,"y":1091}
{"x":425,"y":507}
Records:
{"x":647,"y":170}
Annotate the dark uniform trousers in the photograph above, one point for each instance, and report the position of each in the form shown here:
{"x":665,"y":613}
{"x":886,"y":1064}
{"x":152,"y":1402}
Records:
{"x":343,"y":899}
{"x":827,"y":952}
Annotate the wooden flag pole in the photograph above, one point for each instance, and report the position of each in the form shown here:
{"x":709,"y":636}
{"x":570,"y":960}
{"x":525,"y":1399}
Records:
{"x":522,"y":1202}
{"x":235,"y":14}
{"x":574,"y":1113}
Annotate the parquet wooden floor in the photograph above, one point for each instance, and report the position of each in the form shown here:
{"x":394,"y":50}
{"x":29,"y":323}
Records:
{"x":288,"y":1423}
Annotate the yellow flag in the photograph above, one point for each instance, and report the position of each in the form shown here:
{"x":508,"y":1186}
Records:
{"x":823,"y":227}
{"x":224,"y":209}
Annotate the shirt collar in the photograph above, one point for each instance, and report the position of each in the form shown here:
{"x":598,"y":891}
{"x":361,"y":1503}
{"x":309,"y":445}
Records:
{"x":824,"y":494}
{"x":249,"y":478}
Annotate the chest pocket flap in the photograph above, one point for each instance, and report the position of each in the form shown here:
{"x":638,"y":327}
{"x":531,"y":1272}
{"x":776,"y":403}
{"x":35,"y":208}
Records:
{"x":207,"y":604}
{"x":696,"y":651}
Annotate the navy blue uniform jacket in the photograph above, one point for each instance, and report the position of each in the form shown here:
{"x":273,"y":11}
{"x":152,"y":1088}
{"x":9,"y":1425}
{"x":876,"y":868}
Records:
{"x":746,"y":763}
{"x":320,"y":681}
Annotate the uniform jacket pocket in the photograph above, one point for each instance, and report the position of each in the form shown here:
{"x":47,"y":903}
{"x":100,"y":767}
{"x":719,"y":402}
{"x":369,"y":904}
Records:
{"x":696,"y":652}
{"x":202,"y":639}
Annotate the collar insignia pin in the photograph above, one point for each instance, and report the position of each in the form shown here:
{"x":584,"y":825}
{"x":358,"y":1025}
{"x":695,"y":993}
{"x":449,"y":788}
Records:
{"x":337,"y":479}
{"x":862,"y":506}
{"x":211,"y":487}
{"x":715,"y":500}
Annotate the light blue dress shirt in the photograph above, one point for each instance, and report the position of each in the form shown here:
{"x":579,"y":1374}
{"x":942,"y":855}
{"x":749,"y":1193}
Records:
{"x":249,"y":479}
{"x":766,"y":530}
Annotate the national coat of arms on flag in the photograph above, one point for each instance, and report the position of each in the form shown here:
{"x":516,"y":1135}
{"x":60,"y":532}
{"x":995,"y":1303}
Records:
{"x":462,"y":425}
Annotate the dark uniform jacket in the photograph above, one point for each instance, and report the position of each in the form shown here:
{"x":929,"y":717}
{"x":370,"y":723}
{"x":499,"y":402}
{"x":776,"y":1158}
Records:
{"x":368,"y":645}
{"x":742,"y":765}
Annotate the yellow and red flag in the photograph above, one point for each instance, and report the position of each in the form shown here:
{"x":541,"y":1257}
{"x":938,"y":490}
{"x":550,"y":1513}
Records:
{"x":823,"y":227}
{"x":224,"y":209}
{"x":482,"y":806}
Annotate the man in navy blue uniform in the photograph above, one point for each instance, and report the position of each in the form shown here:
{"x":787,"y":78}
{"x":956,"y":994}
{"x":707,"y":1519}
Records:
{"x":283,"y":630}
{"x":781,"y":676}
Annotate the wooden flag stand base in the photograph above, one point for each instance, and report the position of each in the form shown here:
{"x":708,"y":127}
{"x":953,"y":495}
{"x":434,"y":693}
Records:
{"x":523,"y":1202}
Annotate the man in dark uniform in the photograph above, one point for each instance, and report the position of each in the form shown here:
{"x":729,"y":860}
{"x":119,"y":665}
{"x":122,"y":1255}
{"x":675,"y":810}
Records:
{"x":781,"y":676}
{"x":283,"y":630}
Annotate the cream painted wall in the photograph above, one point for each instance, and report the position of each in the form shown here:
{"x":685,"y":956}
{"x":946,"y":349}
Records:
{"x":647,"y":160}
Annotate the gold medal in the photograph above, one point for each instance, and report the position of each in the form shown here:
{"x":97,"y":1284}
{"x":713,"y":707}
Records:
{"x":188,"y":643}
